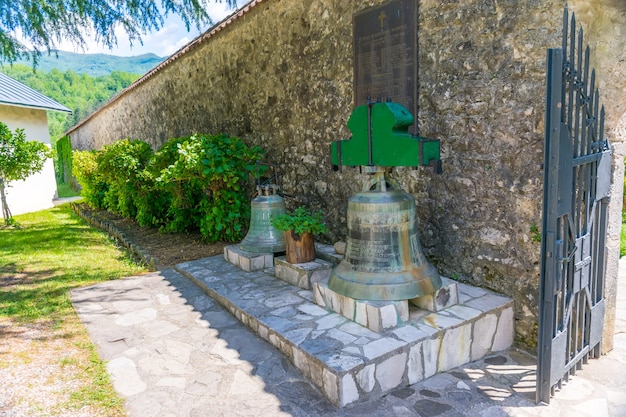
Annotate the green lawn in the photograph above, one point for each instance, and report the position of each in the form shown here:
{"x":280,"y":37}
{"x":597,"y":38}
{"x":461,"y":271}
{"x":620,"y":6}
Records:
{"x":50,"y":253}
{"x":66,"y":190}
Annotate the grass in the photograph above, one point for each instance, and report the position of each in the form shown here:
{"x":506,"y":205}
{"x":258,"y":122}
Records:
{"x":66,"y":190}
{"x":50,"y":253}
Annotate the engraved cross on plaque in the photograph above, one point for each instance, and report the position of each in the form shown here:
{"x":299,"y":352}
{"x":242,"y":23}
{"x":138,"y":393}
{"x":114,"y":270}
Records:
{"x":381,"y":20}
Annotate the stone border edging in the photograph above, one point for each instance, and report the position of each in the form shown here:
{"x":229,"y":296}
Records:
{"x":150,"y":261}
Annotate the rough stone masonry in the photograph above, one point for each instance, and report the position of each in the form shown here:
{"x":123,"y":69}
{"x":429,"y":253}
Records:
{"x":280,"y":75}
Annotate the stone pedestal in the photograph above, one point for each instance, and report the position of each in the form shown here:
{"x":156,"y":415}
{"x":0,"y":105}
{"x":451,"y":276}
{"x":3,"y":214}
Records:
{"x":379,"y":316}
{"x":302,"y":275}
{"x":375,"y":315}
{"x":444,"y":297}
{"x":327,"y":253}
{"x":248,"y":261}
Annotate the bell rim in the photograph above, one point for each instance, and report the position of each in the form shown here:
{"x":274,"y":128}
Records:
{"x":398,"y":286}
{"x":260,"y":248}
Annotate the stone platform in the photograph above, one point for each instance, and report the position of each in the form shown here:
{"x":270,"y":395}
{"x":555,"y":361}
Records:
{"x":379,"y":316}
{"x":303,"y":275}
{"x":348,"y":362}
{"x":248,"y":261}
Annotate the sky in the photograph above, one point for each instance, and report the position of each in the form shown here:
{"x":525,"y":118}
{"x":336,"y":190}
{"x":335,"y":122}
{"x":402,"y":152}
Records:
{"x":163,"y":43}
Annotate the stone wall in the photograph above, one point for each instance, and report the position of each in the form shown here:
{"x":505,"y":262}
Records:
{"x":280,"y":76}
{"x":605,"y":30}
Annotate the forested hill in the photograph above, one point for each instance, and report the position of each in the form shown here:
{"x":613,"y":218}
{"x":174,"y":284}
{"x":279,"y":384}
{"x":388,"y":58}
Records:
{"x":95,"y":64}
{"x":81,"y":93}
{"x":81,"y":82}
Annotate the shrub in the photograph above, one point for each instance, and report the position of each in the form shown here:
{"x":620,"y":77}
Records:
{"x":85,"y":170}
{"x":63,"y":160}
{"x":227,"y":164}
{"x":214,"y":169}
{"x":120,"y":165}
{"x":172,"y":171}
{"x":154,"y":199}
{"x":190,"y":183}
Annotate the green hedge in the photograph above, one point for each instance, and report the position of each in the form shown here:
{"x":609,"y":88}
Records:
{"x":63,"y":160}
{"x":195,"y":183}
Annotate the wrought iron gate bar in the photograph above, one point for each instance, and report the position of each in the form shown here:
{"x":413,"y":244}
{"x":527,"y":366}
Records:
{"x":576,"y":185}
{"x":582,"y":160}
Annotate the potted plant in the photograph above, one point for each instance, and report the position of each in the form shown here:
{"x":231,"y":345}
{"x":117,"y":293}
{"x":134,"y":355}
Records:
{"x":298,"y":228}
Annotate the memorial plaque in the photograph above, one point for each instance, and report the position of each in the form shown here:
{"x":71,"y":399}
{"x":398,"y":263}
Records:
{"x":385,"y":54}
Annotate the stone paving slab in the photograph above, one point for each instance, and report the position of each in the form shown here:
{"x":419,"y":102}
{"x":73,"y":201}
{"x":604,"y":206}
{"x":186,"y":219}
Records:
{"x":173,"y":351}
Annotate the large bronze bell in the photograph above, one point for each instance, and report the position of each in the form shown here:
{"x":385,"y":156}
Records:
{"x":262,"y":237}
{"x":384,"y":259}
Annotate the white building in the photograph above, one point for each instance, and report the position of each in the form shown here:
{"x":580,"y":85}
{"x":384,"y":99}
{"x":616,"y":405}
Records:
{"x":24,"y":108}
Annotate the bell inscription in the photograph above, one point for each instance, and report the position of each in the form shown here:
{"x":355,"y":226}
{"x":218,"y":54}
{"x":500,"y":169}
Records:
{"x":363,"y":250}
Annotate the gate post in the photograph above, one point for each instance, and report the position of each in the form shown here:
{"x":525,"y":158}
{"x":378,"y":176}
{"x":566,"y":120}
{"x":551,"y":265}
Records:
{"x":549,"y":261}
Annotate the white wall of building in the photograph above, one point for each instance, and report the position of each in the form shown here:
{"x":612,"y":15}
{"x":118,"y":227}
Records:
{"x":37,"y":191}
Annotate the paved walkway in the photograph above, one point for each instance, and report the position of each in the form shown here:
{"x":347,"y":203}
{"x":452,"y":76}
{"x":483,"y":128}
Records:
{"x":63,"y":200}
{"x":173,"y":351}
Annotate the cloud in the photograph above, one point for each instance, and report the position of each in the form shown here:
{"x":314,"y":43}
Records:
{"x":172,"y":36}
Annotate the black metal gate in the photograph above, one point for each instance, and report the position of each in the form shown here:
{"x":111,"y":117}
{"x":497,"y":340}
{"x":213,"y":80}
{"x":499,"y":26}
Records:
{"x":577,"y":171}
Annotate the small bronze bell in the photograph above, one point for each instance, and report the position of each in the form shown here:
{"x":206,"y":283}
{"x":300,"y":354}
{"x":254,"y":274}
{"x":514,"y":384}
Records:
{"x":262,"y":237}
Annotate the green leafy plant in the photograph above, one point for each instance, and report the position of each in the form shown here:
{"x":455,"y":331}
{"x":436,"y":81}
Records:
{"x":120,"y":165}
{"x":622,"y":249}
{"x":535,"y":234}
{"x":63,"y":160}
{"x":155,"y":200}
{"x":622,"y":246}
{"x":208,"y":179}
{"x":191,"y":183}
{"x":301,"y":220}
{"x":65,"y":190}
{"x":227,"y":163}
{"x":92,"y":184}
